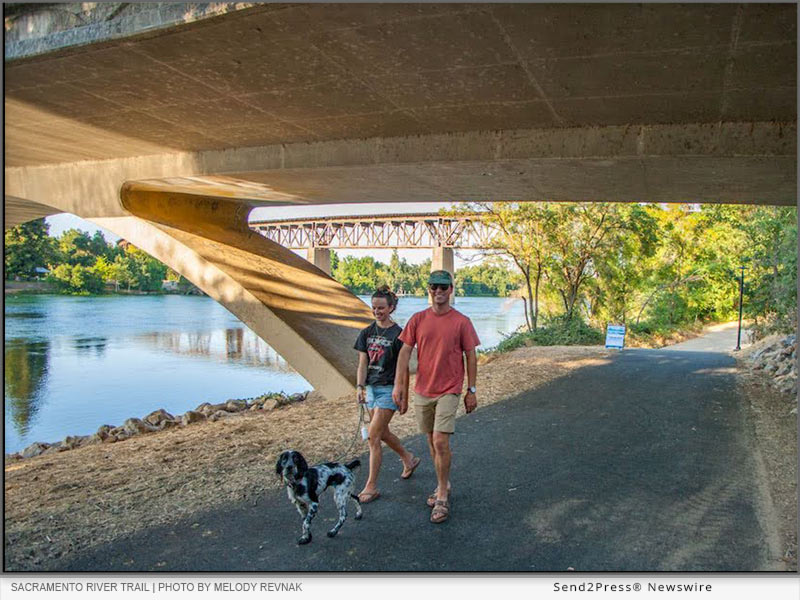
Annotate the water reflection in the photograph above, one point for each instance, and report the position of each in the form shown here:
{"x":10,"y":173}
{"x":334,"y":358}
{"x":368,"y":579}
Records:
{"x":90,"y":345}
{"x":26,"y":368}
{"x":25,"y":315}
{"x":236,"y":344}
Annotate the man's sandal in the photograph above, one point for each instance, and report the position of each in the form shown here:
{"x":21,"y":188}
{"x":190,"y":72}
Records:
{"x":440,"y":512}
{"x":431,"y":501}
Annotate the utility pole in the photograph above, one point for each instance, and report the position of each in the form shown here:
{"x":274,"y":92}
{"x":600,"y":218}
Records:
{"x":741,"y":295}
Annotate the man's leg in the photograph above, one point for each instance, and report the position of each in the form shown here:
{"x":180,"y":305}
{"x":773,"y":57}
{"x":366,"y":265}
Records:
{"x":441,"y":446}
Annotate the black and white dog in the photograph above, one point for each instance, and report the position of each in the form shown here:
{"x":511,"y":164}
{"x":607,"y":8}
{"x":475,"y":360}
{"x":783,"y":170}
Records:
{"x":304,"y":485}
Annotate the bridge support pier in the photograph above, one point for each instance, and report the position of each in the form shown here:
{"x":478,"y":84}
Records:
{"x":444,"y":260}
{"x":320,"y":258}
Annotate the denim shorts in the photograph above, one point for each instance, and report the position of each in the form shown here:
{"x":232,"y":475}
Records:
{"x":380,"y":396}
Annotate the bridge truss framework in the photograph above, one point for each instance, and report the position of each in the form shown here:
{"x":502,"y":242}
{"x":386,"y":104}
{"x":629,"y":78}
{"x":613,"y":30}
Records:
{"x":383,"y":231}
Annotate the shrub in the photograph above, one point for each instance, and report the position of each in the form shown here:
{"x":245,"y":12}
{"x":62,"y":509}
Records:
{"x":559,"y":331}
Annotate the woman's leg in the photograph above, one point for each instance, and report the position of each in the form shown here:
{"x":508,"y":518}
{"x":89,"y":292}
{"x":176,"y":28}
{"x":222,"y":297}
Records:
{"x":379,"y":421}
{"x":395,"y":444}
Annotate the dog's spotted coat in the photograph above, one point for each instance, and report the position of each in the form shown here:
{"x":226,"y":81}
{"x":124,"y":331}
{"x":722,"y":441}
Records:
{"x":304,"y":485}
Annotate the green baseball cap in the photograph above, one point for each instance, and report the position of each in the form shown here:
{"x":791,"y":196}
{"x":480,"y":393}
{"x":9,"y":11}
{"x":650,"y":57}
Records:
{"x":442,"y":277}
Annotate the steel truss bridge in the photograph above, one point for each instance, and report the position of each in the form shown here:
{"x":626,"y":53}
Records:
{"x":421,"y":230}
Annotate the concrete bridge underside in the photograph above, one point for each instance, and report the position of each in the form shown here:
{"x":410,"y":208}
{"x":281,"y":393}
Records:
{"x":169,"y":135}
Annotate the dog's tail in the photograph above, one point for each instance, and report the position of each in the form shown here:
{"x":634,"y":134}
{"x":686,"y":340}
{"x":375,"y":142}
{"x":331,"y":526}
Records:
{"x":352,"y":465}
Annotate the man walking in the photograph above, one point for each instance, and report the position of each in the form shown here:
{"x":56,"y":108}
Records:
{"x":443,"y":337}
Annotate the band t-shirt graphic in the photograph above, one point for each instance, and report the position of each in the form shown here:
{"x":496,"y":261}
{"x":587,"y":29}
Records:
{"x":382,"y":347}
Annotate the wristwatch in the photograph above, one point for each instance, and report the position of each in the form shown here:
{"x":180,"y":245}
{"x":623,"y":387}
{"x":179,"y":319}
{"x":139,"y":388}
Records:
{"x":472,"y":389}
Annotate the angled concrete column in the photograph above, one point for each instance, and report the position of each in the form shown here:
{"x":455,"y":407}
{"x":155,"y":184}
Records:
{"x":320,"y":258}
{"x":444,"y":260}
{"x":307,"y":317}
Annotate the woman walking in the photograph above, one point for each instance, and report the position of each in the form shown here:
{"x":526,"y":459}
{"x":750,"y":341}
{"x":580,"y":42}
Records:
{"x":377,"y":347}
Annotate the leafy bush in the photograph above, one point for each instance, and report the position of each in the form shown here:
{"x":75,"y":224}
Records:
{"x":76,"y":279}
{"x":558,"y":331}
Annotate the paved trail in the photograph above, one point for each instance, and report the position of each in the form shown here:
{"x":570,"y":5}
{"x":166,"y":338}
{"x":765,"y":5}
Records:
{"x":718,"y":338}
{"x":643,"y":463}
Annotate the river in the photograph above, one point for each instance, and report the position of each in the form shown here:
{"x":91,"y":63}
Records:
{"x":73,"y":363}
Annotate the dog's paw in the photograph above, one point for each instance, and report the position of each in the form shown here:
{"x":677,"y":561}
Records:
{"x":332,"y":533}
{"x":304,"y":540}
{"x":358,"y":516}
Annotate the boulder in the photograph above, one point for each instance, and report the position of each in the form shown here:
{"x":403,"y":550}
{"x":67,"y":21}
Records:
{"x":299,"y":397}
{"x":191,"y":416}
{"x":157,"y":417}
{"x":783,"y":368}
{"x":272,"y":403}
{"x":205,"y":409}
{"x":35,"y":449}
{"x":135,"y":426}
{"x":54,"y":448}
{"x":102,"y":431}
{"x":235,"y":405}
{"x":220,"y":414}
{"x":71,"y":442}
{"x":117,"y":434}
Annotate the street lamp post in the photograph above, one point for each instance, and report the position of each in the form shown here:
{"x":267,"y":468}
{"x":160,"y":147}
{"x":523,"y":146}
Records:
{"x":741,"y":295}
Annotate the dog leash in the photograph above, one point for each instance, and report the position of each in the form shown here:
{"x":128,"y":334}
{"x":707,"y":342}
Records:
{"x":361,"y":431}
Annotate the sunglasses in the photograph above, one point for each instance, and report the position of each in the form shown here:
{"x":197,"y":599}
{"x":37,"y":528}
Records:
{"x":440,"y":286}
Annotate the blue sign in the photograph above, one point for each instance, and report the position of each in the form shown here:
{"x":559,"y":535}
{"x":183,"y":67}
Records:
{"x":615,"y":336}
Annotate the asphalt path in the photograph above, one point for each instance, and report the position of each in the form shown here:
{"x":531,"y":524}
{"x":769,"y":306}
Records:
{"x":642,"y":463}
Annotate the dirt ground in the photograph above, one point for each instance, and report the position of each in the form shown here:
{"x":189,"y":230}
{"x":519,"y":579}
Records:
{"x":775,"y":432}
{"x":60,"y":503}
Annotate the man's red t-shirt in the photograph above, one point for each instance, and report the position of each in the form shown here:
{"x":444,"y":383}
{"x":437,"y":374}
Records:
{"x":441,"y":341}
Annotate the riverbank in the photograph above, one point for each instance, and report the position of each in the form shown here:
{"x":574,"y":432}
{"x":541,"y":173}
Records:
{"x":45,"y":287}
{"x":71,"y":501}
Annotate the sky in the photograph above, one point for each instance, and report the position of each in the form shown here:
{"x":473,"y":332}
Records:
{"x":60,"y":223}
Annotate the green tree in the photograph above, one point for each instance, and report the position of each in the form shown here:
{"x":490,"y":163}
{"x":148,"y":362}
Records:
{"x":146,"y":272}
{"x":490,"y":278}
{"x":581,"y":235}
{"x":76,"y":248}
{"x":359,"y":275}
{"x":519,"y":233}
{"x":76,"y":279}
{"x":767,"y":246}
{"x":28,"y":247}
{"x":621,"y":272}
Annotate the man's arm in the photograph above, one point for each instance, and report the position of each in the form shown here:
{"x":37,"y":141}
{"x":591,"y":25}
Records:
{"x":399,"y":393}
{"x":470,"y":399}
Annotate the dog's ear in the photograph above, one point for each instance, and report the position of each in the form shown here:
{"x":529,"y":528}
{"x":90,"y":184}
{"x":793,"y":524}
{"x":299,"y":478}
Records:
{"x":300,"y":463}
{"x":279,"y":464}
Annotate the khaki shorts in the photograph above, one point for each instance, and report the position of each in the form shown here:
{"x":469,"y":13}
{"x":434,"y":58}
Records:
{"x":436,"y":414}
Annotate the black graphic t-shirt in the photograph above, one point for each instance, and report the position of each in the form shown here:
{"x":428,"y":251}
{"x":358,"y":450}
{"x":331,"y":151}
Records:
{"x":382,"y":347}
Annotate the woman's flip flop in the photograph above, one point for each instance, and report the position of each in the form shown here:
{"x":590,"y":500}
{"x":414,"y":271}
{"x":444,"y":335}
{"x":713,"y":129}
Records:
{"x":367,"y":498}
{"x":408,"y":472}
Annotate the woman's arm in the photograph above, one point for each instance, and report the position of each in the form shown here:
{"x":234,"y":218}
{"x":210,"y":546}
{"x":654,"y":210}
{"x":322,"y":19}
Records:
{"x":361,"y":378}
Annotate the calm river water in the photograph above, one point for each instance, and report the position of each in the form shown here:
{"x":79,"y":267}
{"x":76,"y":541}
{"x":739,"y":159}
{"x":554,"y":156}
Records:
{"x":75,"y":363}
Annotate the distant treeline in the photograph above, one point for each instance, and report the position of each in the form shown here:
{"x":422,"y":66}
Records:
{"x":364,"y":275}
{"x":76,"y":263}
{"x":654,"y":268}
